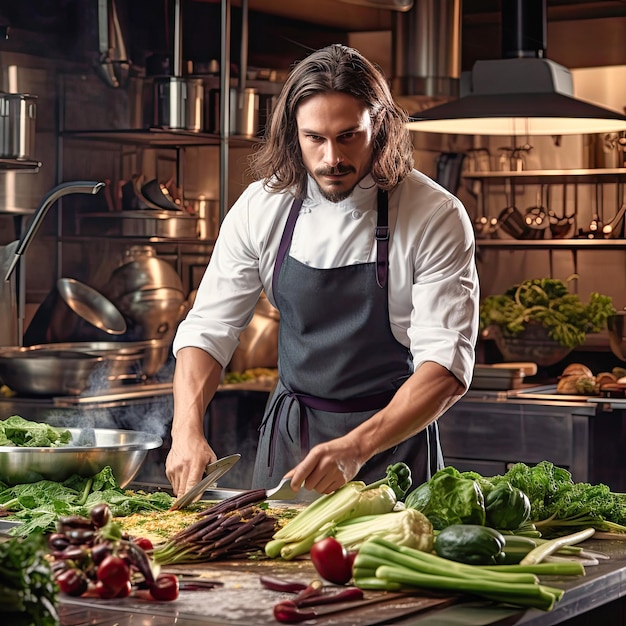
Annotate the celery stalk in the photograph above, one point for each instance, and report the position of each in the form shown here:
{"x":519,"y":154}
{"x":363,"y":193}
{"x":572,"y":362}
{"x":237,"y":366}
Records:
{"x":351,"y":500}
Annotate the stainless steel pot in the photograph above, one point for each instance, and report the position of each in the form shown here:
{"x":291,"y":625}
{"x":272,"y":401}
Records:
{"x":243,"y":111}
{"x":123,"y":359}
{"x":142,"y":270}
{"x":18,"y":113}
{"x":51,"y":373}
{"x":208,"y":214}
{"x":179,"y":103}
{"x":153,"y":313}
{"x":168,"y":224}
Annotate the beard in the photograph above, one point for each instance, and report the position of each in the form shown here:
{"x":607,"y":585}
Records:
{"x":330,"y":194}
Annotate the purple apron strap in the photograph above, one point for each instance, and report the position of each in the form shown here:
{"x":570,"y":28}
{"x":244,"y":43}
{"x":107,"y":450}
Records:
{"x":285,"y":241}
{"x":382,"y":239}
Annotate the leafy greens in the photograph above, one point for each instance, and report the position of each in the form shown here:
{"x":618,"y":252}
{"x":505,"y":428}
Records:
{"x":449,"y":498}
{"x":40,"y":504}
{"x":28,"y":592}
{"x":546,"y":302}
{"x":559,"y":505}
{"x":19,"y":432}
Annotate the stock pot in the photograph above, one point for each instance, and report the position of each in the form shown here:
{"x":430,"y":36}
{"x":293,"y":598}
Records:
{"x":18,"y":112}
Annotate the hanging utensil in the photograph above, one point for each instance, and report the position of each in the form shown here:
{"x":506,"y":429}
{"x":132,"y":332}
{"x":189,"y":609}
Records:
{"x":615,"y":228}
{"x":536,"y":216}
{"x":213,"y":472}
{"x":595,"y":226}
{"x":561,"y":225}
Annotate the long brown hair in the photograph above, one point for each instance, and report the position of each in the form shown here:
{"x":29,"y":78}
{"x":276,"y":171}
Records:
{"x":278,"y":161}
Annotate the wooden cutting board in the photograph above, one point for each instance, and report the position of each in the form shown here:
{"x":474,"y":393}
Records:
{"x":241,"y":600}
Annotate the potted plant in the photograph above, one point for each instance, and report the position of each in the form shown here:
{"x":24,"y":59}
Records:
{"x":539,"y":320}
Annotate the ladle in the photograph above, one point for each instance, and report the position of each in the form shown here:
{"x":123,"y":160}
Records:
{"x":484,"y":226}
{"x":615,"y":228}
{"x":595,"y":226}
{"x":536,"y":216}
{"x":561,"y":225}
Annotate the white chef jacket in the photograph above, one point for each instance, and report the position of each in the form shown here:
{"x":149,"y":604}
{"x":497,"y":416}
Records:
{"x":433,"y":287}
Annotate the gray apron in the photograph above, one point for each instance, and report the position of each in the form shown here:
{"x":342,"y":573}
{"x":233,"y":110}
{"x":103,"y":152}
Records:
{"x":338,"y":361}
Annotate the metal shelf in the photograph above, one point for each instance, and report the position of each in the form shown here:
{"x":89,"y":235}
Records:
{"x":552,"y":176}
{"x":552,"y":244}
{"x":21,"y":165}
{"x":154,"y":137}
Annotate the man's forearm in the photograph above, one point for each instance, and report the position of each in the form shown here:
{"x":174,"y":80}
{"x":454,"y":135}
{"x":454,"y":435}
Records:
{"x":427,"y":394}
{"x":196,"y":378}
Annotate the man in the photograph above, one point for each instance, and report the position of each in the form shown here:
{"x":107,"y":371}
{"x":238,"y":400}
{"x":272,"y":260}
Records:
{"x":371,"y":265}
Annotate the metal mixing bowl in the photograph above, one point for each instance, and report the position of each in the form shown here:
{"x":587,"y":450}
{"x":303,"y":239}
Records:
{"x":51,"y":373}
{"x":90,"y":451}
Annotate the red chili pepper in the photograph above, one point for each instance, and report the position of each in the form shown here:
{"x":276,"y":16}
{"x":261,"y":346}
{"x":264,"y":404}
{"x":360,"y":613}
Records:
{"x":288,"y":612}
{"x":345,"y":595}
{"x":165,"y":587}
{"x":280,"y":584}
{"x":312,"y":590}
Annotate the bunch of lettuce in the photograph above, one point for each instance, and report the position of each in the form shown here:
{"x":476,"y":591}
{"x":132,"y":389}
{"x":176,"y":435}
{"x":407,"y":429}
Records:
{"x":38,"y":505}
{"x":548,"y":303}
{"x":15,"y":431}
{"x":449,"y":498}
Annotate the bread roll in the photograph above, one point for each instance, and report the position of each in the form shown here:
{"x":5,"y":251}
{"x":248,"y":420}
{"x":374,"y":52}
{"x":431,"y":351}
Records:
{"x":576,"y":385}
{"x":605,"y":378}
{"x":577,"y":369}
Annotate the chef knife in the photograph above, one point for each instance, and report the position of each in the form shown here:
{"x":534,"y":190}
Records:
{"x":213,"y":471}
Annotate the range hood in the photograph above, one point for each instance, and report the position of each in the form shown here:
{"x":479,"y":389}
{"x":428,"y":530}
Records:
{"x":522,"y":94}
{"x":426,"y":54}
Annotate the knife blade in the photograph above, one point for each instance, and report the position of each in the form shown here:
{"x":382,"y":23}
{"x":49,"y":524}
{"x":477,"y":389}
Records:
{"x":213,"y":472}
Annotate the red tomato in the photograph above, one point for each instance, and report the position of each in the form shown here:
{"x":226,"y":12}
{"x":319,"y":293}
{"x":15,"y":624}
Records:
{"x":72,"y":582}
{"x":165,"y":587}
{"x":113,"y":573}
{"x":104,"y":592}
{"x":331,"y":561}
{"x":144,"y":543}
{"x":125,"y":591}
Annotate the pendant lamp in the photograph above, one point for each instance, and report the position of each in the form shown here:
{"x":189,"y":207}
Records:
{"x":522,"y":94}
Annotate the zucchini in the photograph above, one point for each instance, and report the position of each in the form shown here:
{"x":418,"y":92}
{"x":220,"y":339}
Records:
{"x":469,"y":543}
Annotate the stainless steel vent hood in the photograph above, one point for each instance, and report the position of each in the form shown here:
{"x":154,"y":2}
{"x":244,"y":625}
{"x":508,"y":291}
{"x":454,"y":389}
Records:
{"x":426,"y":55}
{"x":522,"y":94}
